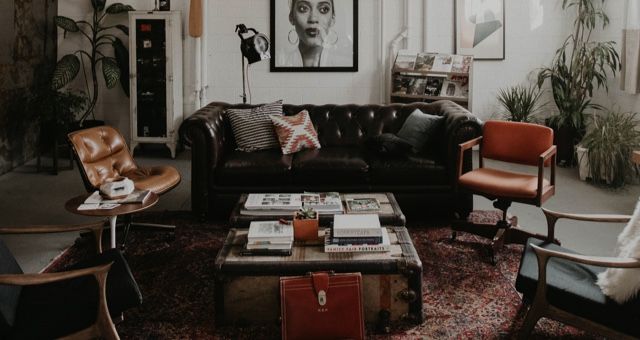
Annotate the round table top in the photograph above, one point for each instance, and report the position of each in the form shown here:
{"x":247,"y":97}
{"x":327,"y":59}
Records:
{"x":124,"y":209}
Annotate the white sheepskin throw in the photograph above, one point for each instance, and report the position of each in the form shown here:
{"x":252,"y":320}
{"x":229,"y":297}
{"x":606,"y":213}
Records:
{"x":622,"y":284}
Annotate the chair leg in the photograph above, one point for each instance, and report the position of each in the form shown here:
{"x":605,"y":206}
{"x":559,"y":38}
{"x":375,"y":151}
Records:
{"x":531,"y":319}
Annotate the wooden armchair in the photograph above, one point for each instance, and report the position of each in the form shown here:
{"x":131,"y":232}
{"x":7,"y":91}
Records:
{"x":560,"y":284}
{"x":67,"y":304}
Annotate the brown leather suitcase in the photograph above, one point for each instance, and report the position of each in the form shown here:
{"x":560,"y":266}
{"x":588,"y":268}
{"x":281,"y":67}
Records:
{"x":322,"y":305}
{"x":247,"y":287}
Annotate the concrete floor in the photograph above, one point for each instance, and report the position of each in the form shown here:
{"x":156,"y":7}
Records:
{"x":28,"y":198}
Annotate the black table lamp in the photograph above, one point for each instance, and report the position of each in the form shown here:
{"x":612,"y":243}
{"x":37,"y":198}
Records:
{"x":254,"y":48}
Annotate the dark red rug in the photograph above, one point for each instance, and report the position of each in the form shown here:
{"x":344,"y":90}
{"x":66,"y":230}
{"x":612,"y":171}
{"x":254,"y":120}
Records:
{"x":465,"y":297}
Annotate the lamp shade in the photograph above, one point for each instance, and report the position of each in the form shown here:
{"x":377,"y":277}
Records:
{"x":255,"y":47}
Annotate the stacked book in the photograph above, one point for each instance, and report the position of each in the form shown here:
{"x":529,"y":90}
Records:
{"x":356,"y":233}
{"x":272,"y":203}
{"x":323,"y":202}
{"x":279,"y":204}
{"x":269,"y":238}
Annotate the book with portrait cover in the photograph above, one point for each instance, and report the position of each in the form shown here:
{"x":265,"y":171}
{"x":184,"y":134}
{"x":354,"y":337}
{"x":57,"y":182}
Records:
{"x":433,"y":85}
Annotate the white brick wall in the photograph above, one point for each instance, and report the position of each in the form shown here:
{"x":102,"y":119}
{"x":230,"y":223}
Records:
{"x":534,"y":30}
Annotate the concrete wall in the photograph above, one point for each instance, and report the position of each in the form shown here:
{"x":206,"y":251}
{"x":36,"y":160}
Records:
{"x":25,"y":45}
{"x":534,"y":30}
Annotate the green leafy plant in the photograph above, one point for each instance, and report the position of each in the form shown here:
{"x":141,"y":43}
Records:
{"x":580,"y":66}
{"x":611,"y":140}
{"x":521,"y":104}
{"x":114,"y":69}
{"x":306,"y":214}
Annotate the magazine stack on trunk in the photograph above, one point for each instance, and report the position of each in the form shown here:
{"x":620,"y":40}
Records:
{"x":269,"y":238}
{"x":356,"y":233}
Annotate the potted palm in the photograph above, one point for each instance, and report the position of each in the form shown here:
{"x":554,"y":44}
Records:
{"x":99,"y":36}
{"x":520,"y":103}
{"x":305,"y":225}
{"x":605,"y":151}
{"x":579,"y":67}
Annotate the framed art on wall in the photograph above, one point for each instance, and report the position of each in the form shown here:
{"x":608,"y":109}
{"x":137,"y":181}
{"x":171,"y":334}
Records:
{"x":479,"y":28}
{"x":314,"y":36}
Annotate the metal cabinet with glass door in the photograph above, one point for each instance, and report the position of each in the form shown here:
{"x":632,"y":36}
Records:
{"x":155,"y":54}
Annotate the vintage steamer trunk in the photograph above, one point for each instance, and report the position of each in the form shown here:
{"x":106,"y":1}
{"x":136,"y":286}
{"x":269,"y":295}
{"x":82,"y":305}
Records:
{"x":247,"y":287}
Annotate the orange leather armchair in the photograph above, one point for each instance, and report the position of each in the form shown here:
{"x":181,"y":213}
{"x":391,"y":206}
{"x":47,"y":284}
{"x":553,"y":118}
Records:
{"x":103,"y":155}
{"x":511,"y":142}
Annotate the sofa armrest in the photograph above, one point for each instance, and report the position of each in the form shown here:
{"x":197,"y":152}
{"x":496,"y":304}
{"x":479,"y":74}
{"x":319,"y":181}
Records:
{"x":204,"y":132}
{"x":460,"y":126}
{"x":206,"y":128}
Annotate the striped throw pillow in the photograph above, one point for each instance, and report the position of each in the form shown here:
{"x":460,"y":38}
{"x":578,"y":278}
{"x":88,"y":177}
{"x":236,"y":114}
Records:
{"x":252,"y":127}
{"x":296,"y":132}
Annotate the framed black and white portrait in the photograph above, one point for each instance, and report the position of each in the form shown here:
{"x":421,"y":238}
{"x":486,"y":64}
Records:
{"x":314,"y":35}
{"x":480,"y":28}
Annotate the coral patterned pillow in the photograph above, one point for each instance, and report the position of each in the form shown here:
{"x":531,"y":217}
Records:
{"x":295,"y":132}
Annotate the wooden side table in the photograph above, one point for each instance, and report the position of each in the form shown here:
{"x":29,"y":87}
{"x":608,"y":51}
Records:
{"x":124,"y":209}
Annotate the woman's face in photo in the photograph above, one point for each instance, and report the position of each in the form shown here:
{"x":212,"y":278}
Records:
{"x":312,"y":20}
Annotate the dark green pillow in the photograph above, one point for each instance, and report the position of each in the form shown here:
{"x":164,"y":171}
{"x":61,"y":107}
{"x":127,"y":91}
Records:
{"x":388,"y":145}
{"x":418,"y":129}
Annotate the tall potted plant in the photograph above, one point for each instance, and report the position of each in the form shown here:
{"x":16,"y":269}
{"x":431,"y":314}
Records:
{"x":579,"y":67}
{"x":607,"y":148}
{"x":99,"y":35}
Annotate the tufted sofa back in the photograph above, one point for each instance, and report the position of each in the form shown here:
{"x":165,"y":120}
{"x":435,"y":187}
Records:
{"x":347,"y":125}
{"x":102,"y":155}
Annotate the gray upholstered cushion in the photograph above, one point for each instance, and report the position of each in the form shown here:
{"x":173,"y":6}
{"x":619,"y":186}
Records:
{"x":9,"y":295}
{"x":418,"y":129}
{"x":571,"y":287}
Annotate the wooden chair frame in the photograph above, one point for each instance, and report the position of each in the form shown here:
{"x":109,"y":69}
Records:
{"x":547,"y":157}
{"x":104,"y":326}
{"x":541,"y":307}
{"x":503,"y":232}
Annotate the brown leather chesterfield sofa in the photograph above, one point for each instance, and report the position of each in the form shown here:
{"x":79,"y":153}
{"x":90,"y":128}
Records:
{"x":422,"y":184}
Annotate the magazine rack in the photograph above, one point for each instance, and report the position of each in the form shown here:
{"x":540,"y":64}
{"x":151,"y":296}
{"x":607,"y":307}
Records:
{"x":427,"y":77}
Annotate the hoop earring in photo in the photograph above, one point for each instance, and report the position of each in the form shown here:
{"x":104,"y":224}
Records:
{"x":335,"y":41}
{"x":291,"y":40}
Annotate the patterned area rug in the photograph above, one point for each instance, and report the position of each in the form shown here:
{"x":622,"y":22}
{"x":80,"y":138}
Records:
{"x":465,"y":297}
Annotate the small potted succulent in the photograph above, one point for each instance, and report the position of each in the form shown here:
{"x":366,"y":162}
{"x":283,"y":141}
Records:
{"x":305,"y":225}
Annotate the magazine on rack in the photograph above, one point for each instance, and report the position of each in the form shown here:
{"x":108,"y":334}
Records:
{"x":405,"y":60}
{"x":417,"y":86}
{"x":433,"y":85}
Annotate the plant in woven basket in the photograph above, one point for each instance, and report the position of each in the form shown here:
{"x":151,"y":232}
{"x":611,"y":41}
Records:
{"x":610,"y":142}
{"x":306,"y":214}
{"x":521,"y":104}
{"x":99,"y":36}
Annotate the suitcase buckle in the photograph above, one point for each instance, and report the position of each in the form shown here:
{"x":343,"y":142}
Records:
{"x":322,"y":298}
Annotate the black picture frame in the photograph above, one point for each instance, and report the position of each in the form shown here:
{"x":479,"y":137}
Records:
{"x":487,"y":48}
{"x":283,"y":51}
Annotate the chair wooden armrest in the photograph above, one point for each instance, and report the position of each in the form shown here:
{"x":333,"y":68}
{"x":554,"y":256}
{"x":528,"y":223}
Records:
{"x":464,"y":147}
{"x":553,"y":217}
{"x":42,"y":278}
{"x":599,"y":261}
{"x":94,"y":227}
{"x":550,"y":153}
{"x":104,"y":326}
